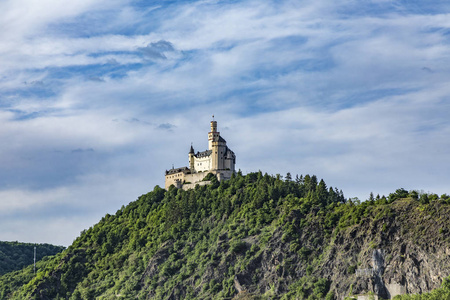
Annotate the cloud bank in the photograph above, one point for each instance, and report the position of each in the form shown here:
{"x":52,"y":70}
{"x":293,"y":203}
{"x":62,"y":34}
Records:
{"x":98,"y":98}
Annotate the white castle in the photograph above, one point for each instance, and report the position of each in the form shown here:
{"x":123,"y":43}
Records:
{"x":218,"y":160}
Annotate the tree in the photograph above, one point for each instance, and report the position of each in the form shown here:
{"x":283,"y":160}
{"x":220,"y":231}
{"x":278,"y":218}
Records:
{"x":414,"y":194}
{"x":313,"y":183}
{"x":299,"y":180}
{"x":322,"y":193}
{"x":288,"y":176}
{"x":424,"y":199}
{"x":399,"y":194}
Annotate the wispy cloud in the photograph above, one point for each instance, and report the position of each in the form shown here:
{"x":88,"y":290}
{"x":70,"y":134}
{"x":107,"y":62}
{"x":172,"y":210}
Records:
{"x":157,"y":50}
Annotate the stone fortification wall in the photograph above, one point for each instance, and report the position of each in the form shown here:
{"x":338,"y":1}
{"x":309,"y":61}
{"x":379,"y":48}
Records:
{"x":176,"y":179}
{"x":196,"y":177}
{"x":188,"y":181}
{"x":223,"y":175}
{"x":192,"y":185}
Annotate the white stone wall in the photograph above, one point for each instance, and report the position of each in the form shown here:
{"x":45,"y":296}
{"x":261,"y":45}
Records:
{"x":202,"y":164}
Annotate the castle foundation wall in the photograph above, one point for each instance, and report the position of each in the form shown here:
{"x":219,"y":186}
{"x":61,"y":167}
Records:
{"x":193,"y":185}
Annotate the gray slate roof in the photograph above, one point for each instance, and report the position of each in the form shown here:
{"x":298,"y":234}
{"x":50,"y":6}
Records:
{"x":178,"y":170}
{"x":203,"y":154}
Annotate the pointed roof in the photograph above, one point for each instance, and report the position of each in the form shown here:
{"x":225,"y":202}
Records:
{"x":192,"y":150}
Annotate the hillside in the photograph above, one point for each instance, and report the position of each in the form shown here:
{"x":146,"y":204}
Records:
{"x":255,"y":236}
{"x":15,"y":255}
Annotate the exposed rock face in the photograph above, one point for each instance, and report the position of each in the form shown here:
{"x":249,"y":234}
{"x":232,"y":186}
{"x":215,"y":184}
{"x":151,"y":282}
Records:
{"x":415,"y":252}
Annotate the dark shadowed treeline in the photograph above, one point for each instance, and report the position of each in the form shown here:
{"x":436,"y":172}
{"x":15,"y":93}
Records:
{"x":15,"y":255}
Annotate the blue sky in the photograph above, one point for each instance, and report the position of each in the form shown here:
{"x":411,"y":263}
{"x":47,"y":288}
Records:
{"x":99,"y":98}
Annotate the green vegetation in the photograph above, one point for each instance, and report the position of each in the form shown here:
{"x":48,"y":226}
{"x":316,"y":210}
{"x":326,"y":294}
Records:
{"x":15,"y":255}
{"x":437,"y":294}
{"x":269,"y":235}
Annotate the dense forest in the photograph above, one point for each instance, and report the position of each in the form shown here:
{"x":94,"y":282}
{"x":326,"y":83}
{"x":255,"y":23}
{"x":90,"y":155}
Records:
{"x":15,"y":255}
{"x":256,"y":236}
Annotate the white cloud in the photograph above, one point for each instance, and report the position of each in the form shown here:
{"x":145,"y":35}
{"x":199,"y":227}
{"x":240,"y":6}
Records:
{"x":25,"y":18}
{"x":297,"y":86}
{"x":376,"y":147}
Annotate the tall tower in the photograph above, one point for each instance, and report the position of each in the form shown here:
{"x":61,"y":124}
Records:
{"x":213,"y":135}
{"x":218,"y":147}
{"x":192,"y":159}
{"x":213,"y":138}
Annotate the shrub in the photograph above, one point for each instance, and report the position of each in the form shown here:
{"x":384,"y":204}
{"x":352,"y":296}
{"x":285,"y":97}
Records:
{"x":238,"y":247}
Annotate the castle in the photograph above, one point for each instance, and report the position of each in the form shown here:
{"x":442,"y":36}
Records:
{"x":218,"y":160}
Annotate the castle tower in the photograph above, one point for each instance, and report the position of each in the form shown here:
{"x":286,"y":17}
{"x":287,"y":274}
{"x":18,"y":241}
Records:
{"x":213,"y":135}
{"x":218,"y":147}
{"x":192,"y":160}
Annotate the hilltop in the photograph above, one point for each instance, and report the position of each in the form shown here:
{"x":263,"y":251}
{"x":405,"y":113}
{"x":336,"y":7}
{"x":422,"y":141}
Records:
{"x":252,"y":237}
{"x":15,"y":255}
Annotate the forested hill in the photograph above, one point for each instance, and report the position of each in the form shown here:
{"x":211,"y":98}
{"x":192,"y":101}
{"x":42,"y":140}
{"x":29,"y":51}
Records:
{"x":15,"y":255}
{"x":252,"y":237}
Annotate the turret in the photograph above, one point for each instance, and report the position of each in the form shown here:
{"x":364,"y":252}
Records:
{"x":217,"y":145}
{"x":191,"y":159}
{"x":213,"y":126}
{"x":213,"y":136}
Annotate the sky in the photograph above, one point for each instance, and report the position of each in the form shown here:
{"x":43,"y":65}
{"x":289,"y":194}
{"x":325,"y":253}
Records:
{"x":98,"y":98}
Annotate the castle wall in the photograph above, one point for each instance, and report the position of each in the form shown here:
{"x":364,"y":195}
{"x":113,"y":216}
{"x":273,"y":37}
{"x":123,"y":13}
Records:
{"x":223,"y":175}
{"x":176,"y":179}
{"x":220,"y":157}
{"x":202,"y":164}
{"x":192,"y":178}
{"x":179,"y":179}
{"x":228,"y":164}
{"x":192,"y":185}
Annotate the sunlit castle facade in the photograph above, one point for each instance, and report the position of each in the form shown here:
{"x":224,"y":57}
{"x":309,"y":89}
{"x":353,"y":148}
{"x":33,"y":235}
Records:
{"x":218,"y":160}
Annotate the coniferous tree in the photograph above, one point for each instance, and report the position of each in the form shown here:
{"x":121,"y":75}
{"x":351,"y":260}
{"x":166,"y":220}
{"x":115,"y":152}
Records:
{"x":288,"y":176}
{"x":322,"y":193}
